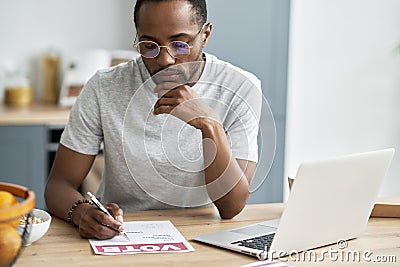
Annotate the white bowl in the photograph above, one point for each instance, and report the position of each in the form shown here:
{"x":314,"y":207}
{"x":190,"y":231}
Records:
{"x":37,"y":230}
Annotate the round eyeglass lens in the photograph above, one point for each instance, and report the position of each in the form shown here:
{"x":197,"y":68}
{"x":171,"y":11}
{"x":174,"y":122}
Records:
{"x":179,"y":48}
{"x":148,"y":49}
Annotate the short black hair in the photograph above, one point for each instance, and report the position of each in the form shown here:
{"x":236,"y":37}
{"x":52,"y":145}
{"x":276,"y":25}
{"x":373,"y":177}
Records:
{"x":199,"y":7}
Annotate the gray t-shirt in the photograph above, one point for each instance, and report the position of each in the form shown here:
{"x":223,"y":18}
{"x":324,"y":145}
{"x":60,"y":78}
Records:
{"x":156,"y":162}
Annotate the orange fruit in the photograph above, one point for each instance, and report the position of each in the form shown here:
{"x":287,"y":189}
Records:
{"x":6,"y":200}
{"x":10,"y":242}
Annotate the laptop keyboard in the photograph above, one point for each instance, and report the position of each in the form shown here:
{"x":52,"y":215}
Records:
{"x":260,"y":242}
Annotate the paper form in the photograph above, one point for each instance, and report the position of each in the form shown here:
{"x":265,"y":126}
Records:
{"x":145,"y":237}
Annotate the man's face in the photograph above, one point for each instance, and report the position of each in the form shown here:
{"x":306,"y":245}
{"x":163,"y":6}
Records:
{"x":169,"y":21}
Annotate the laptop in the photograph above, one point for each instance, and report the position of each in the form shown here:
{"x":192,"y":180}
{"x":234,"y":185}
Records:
{"x":330,"y":201}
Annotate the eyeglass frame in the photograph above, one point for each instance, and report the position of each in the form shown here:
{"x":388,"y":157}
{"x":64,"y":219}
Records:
{"x":136,"y":45}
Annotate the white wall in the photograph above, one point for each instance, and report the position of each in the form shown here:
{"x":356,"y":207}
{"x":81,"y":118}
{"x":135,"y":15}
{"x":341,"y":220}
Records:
{"x":344,"y":82}
{"x":28,"y":28}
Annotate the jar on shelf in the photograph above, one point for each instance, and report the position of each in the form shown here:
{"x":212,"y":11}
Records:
{"x":51,"y":69}
{"x":18,"y":91}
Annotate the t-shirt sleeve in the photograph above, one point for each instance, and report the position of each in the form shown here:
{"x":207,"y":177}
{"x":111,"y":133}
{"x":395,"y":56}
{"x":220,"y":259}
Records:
{"x":243,"y":130}
{"x":83,"y":132}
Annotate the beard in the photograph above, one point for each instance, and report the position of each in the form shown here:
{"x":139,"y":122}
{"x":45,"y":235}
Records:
{"x":181,"y":73}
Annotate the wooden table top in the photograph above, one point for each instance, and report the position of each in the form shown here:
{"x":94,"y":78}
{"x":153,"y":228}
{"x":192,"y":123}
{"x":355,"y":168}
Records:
{"x":62,"y":244}
{"x":34,"y":114}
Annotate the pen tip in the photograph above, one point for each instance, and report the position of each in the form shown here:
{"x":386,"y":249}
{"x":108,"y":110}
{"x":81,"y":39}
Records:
{"x":126,"y":236}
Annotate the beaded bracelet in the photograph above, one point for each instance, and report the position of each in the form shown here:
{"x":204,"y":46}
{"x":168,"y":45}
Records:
{"x":74,"y":206}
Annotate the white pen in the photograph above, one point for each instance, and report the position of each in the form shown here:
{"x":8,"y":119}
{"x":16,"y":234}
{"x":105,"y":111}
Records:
{"x":103,"y":209}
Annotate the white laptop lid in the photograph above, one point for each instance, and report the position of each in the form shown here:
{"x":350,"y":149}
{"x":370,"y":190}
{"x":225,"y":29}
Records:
{"x":331,"y":200}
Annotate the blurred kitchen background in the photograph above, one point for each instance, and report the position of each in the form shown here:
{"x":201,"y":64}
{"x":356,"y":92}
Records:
{"x":330,"y":71}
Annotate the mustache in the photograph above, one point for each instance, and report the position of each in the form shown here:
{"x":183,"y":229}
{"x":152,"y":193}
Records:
{"x":173,"y":70}
{"x":166,"y":73}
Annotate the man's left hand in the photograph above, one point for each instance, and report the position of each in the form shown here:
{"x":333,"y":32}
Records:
{"x":183,"y":103}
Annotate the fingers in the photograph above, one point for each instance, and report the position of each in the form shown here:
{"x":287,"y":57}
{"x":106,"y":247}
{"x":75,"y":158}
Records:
{"x":167,"y":88}
{"x":163,"y":110}
{"x":166,"y":102}
{"x":96,"y":224}
{"x":170,"y":96}
{"x":166,"y":105}
{"x":115,"y":211}
{"x":183,"y":103}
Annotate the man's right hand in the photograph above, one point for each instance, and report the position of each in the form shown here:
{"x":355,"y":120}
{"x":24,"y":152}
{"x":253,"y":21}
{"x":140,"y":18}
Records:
{"x":93,"y":223}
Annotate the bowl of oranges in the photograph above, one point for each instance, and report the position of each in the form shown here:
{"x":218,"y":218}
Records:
{"x":15,"y":202}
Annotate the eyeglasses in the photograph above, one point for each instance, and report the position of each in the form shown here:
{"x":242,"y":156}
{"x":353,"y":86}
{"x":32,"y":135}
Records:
{"x":176,"y":49}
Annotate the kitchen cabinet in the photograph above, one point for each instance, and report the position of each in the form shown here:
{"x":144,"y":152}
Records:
{"x":23,"y":157}
{"x":28,"y":139}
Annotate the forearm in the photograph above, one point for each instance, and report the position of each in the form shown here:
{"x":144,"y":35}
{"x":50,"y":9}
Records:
{"x":68,"y":171}
{"x":227,"y":184}
{"x":60,"y":195}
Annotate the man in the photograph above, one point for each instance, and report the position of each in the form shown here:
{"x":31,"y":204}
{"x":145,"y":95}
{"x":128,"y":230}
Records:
{"x":179,"y":127}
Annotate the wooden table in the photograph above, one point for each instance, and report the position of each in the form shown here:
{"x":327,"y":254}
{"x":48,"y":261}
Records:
{"x":62,"y":244}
